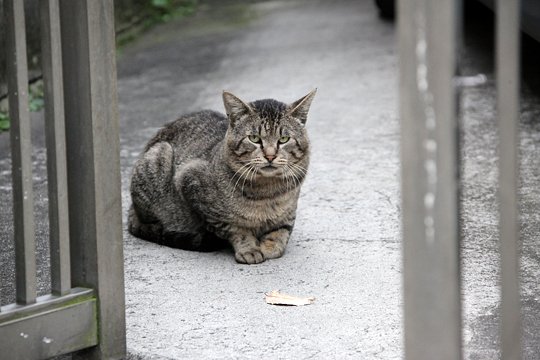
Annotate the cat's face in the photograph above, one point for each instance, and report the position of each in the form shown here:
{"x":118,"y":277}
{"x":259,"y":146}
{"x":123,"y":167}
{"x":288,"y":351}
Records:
{"x":267,"y":138}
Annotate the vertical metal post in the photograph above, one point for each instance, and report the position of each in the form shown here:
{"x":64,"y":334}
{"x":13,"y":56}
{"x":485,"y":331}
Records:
{"x":56,"y":146}
{"x":508,"y":80}
{"x":428,"y":43}
{"x":21,"y":152}
{"x":88,"y":49}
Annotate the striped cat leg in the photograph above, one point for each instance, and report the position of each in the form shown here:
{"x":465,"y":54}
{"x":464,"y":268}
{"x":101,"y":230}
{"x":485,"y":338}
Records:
{"x":246,"y":250}
{"x":273,"y":243}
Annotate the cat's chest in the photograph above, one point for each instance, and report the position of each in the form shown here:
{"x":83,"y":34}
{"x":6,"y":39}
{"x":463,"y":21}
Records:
{"x":261,"y":213}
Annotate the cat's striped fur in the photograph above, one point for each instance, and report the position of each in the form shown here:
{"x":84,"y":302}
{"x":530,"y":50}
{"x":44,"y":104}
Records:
{"x":206,"y":179}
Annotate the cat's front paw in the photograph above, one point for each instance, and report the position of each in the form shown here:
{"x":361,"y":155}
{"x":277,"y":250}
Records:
{"x":272,"y":249}
{"x":249,"y":256}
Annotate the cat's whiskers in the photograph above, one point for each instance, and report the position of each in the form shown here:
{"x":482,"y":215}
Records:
{"x":252,"y":176}
{"x":282,"y":163}
{"x":294,"y":177}
{"x":300,"y":168}
{"x":244,"y":182}
{"x":236,"y":172}
{"x":248,"y":167}
{"x":286,"y":177}
{"x":289,"y":175}
{"x":247,"y":163}
{"x":300,"y":171}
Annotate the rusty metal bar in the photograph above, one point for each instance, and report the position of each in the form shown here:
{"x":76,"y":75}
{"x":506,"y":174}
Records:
{"x":21,"y":152}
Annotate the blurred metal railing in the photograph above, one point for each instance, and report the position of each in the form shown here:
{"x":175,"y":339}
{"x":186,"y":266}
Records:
{"x":85,"y":309}
{"x":508,"y":82}
{"x":429,"y":41}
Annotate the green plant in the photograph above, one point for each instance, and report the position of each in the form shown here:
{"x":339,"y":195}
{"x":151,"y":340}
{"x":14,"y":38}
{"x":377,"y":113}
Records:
{"x":35,"y":97}
{"x":153,"y":12}
{"x":168,"y":9}
{"x":161,"y":3}
{"x":146,"y":14}
{"x":4,"y":120}
{"x":35,"y":103}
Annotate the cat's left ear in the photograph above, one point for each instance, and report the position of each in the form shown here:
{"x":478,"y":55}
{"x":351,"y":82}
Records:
{"x":299,"y":109}
{"x":234,"y":106}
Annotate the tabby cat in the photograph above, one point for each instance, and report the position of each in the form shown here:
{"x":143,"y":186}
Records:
{"x":207,"y":179}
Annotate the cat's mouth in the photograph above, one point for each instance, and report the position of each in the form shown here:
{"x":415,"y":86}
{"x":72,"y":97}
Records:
{"x":268,"y":170}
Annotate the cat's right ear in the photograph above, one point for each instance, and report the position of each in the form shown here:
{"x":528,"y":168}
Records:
{"x":299,"y":109}
{"x":234,"y":107}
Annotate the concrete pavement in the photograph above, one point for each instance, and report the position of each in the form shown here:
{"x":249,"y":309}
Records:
{"x":345,"y":246}
{"x":345,"y":249}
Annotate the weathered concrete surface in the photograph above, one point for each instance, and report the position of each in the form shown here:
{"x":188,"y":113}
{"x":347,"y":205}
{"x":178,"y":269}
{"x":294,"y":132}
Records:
{"x":345,"y":248}
{"x":480,"y":254}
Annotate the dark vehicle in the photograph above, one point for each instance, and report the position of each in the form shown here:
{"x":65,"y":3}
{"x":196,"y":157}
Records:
{"x":530,"y":14}
{"x":387,"y":8}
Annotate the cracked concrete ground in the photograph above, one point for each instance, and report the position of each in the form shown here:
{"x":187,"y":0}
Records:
{"x":345,"y":249}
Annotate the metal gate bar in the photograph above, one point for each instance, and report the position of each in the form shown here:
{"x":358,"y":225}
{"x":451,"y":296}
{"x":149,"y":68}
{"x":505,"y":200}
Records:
{"x":508,"y":75}
{"x":95,"y":209}
{"x":428,"y":45}
{"x":21,"y":153}
{"x":51,"y":326}
{"x":51,"y":53}
{"x":85,"y":311}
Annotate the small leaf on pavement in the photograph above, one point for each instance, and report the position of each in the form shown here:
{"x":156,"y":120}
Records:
{"x":276,"y":298}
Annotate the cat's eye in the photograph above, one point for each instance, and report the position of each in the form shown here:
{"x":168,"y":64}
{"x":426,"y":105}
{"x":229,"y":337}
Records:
{"x":254,"y":138}
{"x":283,"y":139}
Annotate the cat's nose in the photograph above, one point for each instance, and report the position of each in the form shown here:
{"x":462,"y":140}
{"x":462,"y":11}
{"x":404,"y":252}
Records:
{"x":270,"y":157}
{"x":270,"y":153}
